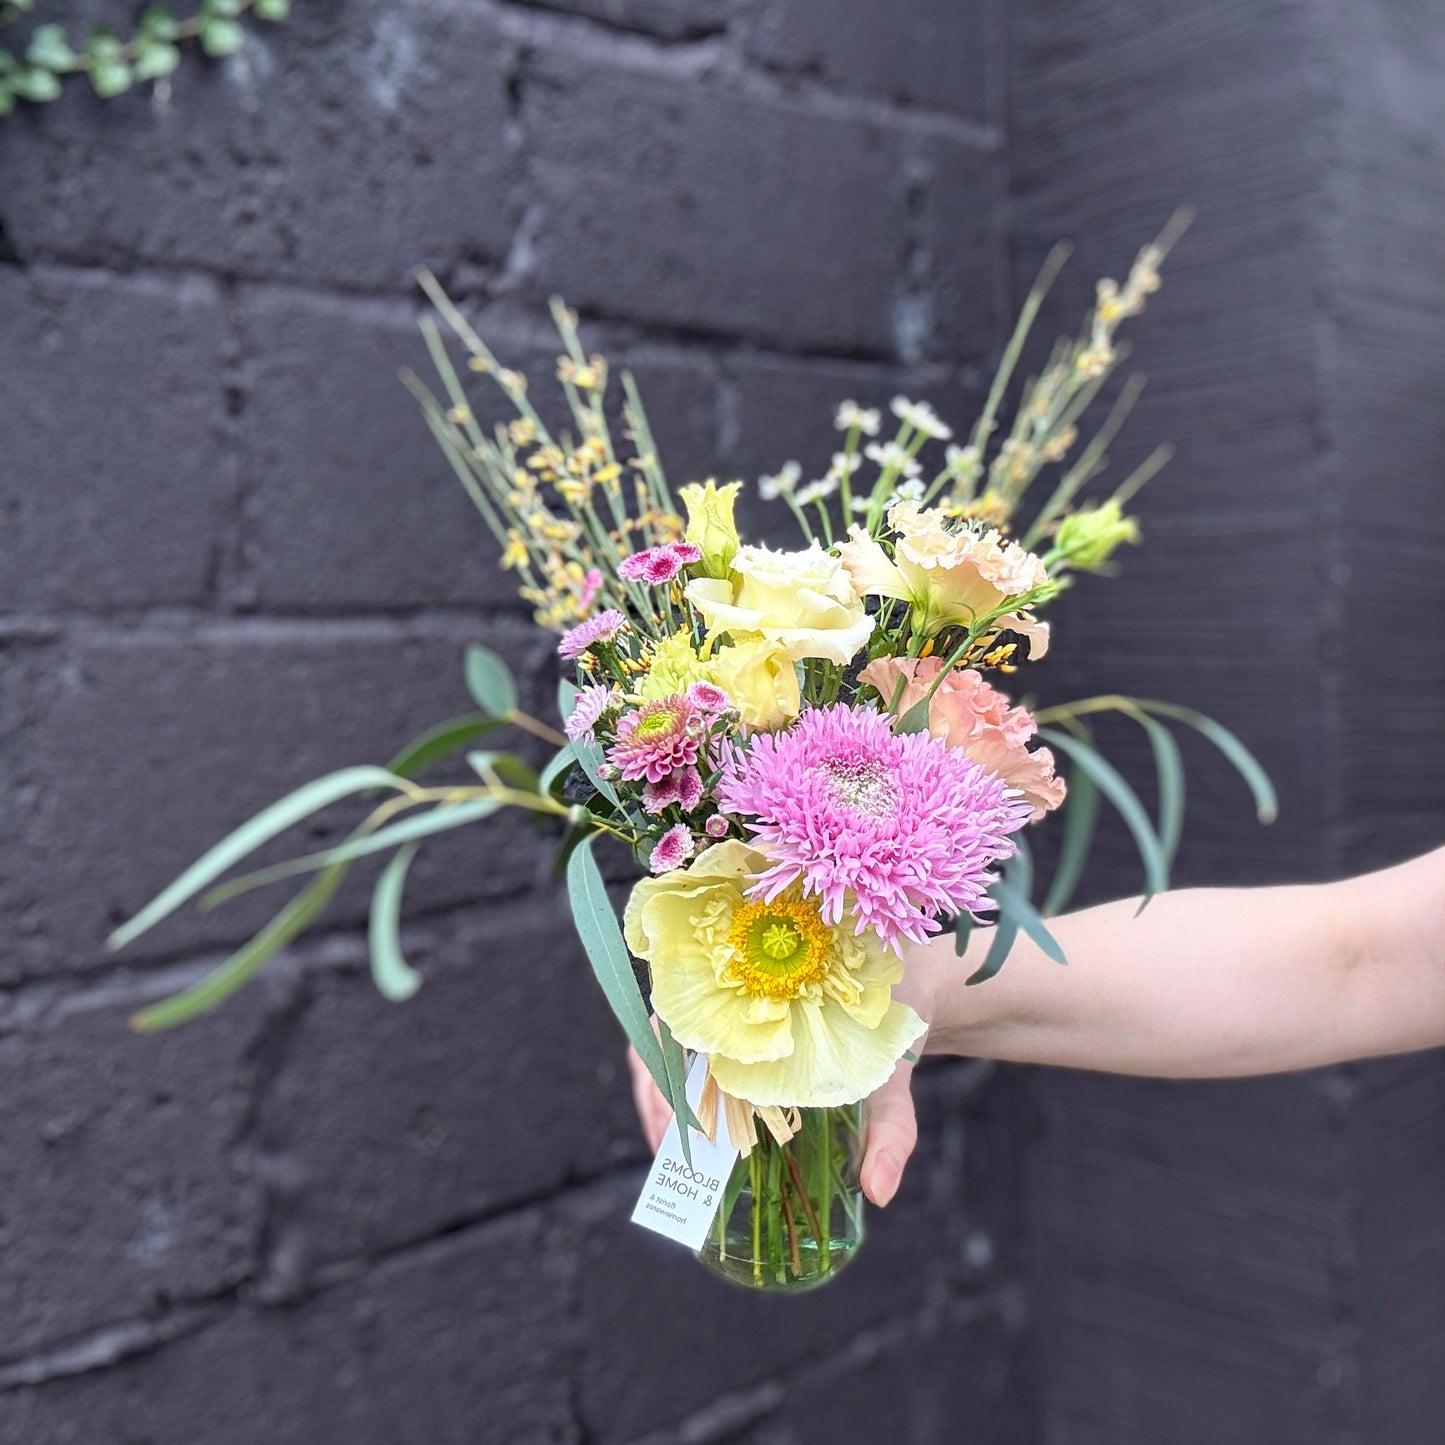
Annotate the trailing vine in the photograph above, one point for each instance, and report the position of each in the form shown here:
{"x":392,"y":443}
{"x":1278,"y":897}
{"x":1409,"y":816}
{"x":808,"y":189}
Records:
{"x":113,"y":64}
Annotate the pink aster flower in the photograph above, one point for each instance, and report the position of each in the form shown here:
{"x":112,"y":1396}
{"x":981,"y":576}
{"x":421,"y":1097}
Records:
{"x":673,"y":849}
{"x":602,"y":628}
{"x":709,"y":697}
{"x":891,"y":829}
{"x":657,"y":739}
{"x":658,"y":565}
{"x":589,"y":705}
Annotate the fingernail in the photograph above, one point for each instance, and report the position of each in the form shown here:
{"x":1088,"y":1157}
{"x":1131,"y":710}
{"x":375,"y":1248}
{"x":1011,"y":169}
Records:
{"x":886,"y":1175}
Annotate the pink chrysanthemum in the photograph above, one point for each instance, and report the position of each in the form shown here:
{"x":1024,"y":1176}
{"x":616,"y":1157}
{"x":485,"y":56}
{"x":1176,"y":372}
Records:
{"x":602,"y":628}
{"x":657,"y":739}
{"x":589,"y":705}
{"x":658,"y":565}
{"x":709,"y":697}
{"x":683,"y":787}
{"x":673,"y":849}
{"x":716,"y":826}
{"x":891,"y":829}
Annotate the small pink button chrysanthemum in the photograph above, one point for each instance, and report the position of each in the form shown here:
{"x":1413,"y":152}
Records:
{"x":589,"y":705}
{"x":709,"y":697}
{"x":716,"y":826}
{"x":891,"y":829}
{"x":683,"y":787}
{"x":657,"y":739}
{"x":673,"y":849}
{"x":602,"y":628}
{"x":659,"y":564}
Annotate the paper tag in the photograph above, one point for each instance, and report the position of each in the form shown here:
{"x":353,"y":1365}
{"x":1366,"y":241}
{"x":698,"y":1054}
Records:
{"x":678,"y":1200}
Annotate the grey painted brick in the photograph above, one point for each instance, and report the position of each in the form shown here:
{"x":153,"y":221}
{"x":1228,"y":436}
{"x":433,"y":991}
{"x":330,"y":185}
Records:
{"x":670,"y":19}
{"x":685,"y":209}
{"x":962,"y":1376}
{"x":344,"y":150}
{"x":121,"y":1192}
{"x":961,"y":225}
{"x":351,"y":504}
{"x":116,"y":484}
{"x":914,"y":51}
{"x":213,"y":724}
{"x":501,"y":1080}
{"x":454,"y":1344}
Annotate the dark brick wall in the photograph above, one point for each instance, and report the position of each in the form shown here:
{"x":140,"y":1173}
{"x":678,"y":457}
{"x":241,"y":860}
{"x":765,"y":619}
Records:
{"x":229,"y":558}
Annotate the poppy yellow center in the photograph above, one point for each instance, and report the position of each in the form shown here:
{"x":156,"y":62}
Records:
{"x":779,"y":948}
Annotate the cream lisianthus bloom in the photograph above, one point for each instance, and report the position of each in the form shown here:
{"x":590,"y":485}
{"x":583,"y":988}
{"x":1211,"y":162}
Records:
{"x":791,"y":1011}
{"x":710,"y":524}
{"x":801,"y":602}
{"x":760,"y":680}
{"x":673,"y":666}
{"x":948,"y":576}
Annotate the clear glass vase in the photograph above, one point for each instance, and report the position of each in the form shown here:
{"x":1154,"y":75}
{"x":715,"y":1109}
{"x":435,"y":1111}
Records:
{"x":792,"y":1214}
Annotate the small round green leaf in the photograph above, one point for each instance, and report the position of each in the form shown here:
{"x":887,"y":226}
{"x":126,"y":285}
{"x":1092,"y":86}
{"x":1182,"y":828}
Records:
{"x":103,"y":45}
{"x":7,"y":98}
{"x":272,"y":9}
{"x":221,"y":37}
{"x":110,"y":77}
{"x":49,"y":49}
{"x":158,"y":24}
{"x":155,"y":59}
{"x":32,"y":83}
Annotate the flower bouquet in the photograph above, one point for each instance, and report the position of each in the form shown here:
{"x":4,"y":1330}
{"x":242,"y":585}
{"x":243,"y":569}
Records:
{"x":803,"y":750}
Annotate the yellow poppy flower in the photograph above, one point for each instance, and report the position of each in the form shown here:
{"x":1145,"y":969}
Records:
{"x":791,"y":1011}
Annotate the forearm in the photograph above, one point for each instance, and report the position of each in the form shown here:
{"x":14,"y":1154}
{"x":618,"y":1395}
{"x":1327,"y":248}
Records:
{"x":1214,"y":982}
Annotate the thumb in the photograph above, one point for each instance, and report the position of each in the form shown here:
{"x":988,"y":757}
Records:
{"x":892,"y":1131}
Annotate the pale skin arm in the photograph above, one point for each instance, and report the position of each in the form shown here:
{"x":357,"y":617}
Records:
{"x":1204,"y":983}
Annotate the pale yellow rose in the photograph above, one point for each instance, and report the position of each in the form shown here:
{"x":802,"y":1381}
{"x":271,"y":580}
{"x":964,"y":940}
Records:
{"x":948,"y":576}
{"x":710,"y":523}
{"x":802,"y":602}
{"x":760,"y":681}
{"x":790,"y":1010}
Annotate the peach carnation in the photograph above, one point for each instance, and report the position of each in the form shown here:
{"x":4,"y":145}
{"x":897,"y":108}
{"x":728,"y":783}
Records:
{"x":968,"y":713}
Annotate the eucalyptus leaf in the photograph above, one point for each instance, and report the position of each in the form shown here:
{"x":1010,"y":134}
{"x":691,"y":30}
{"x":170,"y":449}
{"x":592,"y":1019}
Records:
{"x":489,"y":680}
{"x":266,"y":825}
{"x":1109,"y":782}
{"x":590,"y":760}
{"x":1266,"y":802}
{"x":1081,"y":814}
{"x":441,"y":742}
{"x":1169,"y":769}
{"x":556,"y":771}
{"x":602,"y":940}
{"x":272,"y":9}
{"x":394,"y":977}
{"x":507,"y":766}
{"x":7,"y":97}
{"x":962,"y":930}
{"x":218,"y":985}
{"x":674,"y":1061}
